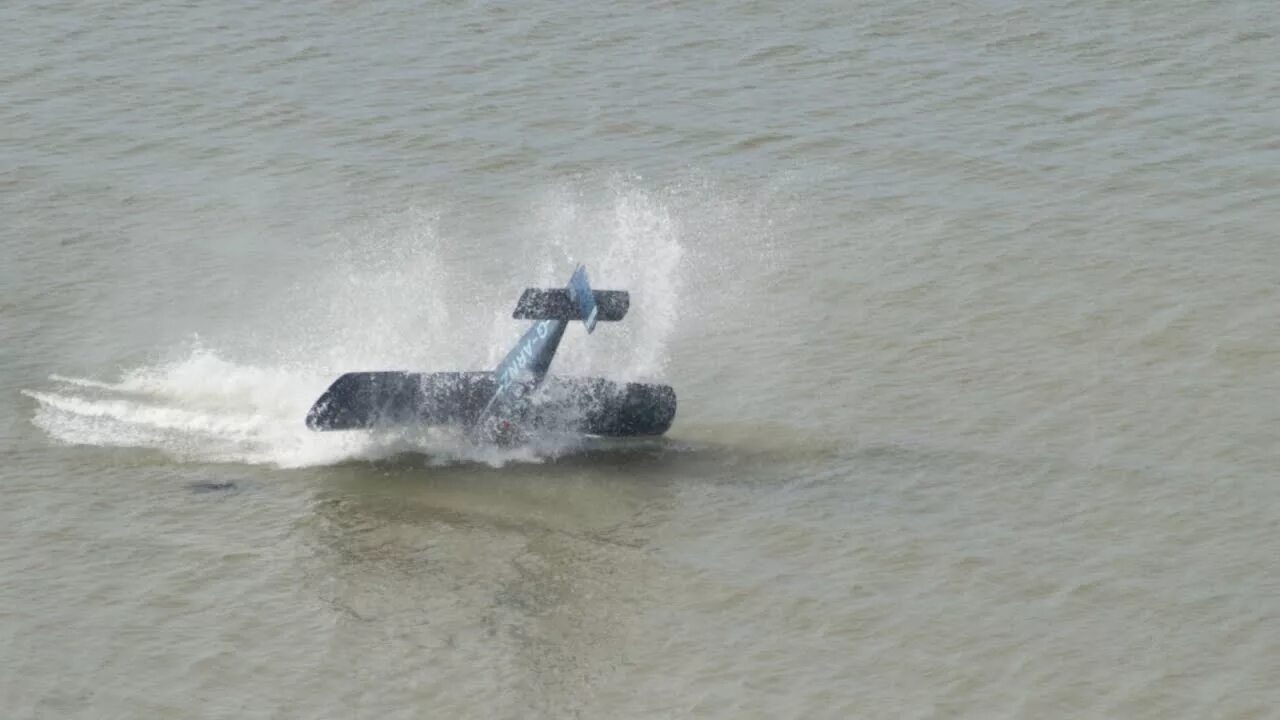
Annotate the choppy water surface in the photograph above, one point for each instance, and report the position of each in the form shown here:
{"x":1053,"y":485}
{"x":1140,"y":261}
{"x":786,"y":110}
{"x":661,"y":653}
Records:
{"x":972,"y":309}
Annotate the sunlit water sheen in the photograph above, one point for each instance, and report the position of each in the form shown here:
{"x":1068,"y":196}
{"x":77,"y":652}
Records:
{"x":972,"y":310}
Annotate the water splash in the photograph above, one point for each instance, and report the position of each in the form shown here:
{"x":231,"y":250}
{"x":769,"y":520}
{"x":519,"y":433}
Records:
{"x":386,"y":301}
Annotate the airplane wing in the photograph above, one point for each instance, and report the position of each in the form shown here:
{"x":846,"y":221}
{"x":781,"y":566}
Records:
{"x":591,"y":406}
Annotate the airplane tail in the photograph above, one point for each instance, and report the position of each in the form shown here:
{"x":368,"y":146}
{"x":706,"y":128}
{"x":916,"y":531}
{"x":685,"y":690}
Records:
{"x":577,"y":301}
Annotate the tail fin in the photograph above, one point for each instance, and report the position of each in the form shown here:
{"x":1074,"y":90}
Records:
{"x":580,"y":290}
{"x":575,"y":302}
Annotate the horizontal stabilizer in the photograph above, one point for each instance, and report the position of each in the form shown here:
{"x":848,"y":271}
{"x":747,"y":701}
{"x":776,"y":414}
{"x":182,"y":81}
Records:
{"x":558,"y":304}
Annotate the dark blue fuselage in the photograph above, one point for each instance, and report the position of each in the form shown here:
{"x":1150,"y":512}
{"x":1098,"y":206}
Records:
{"x":524,"y":368}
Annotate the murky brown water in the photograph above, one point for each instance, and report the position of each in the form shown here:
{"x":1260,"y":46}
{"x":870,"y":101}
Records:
{"x":972,"y":310}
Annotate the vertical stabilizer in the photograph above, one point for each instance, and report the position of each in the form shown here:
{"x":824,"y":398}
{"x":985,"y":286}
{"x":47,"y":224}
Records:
{"x":583,"y":298}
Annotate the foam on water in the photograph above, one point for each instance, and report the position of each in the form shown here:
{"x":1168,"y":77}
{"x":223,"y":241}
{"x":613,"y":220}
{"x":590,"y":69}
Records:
{"x":200,"y":407}
{"x":391,"y":300}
